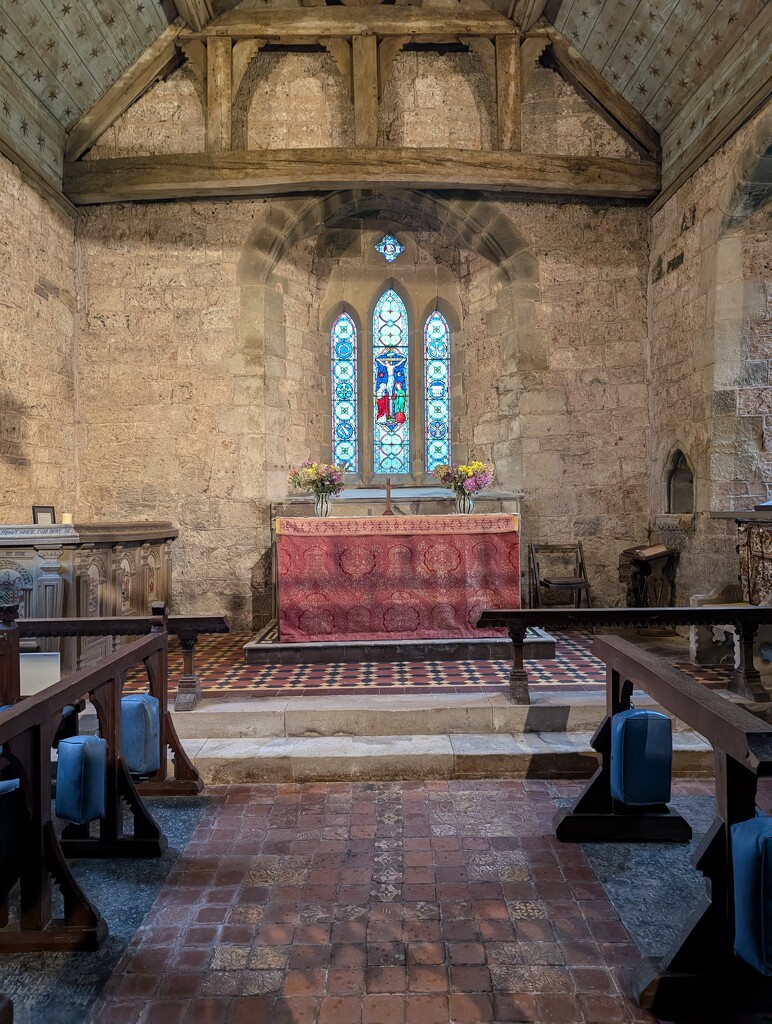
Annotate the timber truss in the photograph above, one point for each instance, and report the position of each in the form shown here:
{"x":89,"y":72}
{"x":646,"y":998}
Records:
{"x":364,"y":42}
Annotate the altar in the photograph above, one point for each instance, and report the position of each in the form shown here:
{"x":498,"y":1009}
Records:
{"x":394,"y":578}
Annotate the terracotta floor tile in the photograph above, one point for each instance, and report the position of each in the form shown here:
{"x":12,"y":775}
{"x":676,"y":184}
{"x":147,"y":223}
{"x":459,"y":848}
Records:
{"x":558,"y":1009}
{"x":470,"y":1009}
{"x":603,"y":1009}
{"x":340,"y":1010}
{"x":386,"y":979}
{"x":427,"y":1009}
{"x":427,"y":978}
{"x":383,"y":1009}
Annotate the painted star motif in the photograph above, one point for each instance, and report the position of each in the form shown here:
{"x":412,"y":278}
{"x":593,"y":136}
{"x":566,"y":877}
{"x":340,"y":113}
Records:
{"x":642,"y":89}
{"x":654,"y":72}
{"x":65,"y":65}
{"x":81,"y":32}
{"x":715,"y":37}
{"x":79,"y":84}
{"x":41,"y":140}
{"x":692,"y":124}
{"x":698,"y":5}
{"x":668,"y":51}
{"x":3,"y":31}
{"x":66,"y":8}
{"x":20,"y":54}
{"x":668,"y":102}
{"x":53,"y":92}
{"x":731,"y":19}
{"x":585,"y":14}
{"x":109,"y":20}
{"x":33,"y":22}
{"x":683,"y":82}
{"x":6,"y":108}
{"x":94,"y":51}
{"x":68,"y":111}
{"x":698,"y":63}
{"x":639,"y":37}
{"x":24,"y":126}
{"x":38,"y":76}
{"x":140,"y":8}
{"x":50,"y":45}
{"x":614,"y":76}
{"x":627,"y":58}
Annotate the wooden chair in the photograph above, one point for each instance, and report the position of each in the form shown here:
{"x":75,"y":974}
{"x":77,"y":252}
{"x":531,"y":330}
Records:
{"x":577,"y":583}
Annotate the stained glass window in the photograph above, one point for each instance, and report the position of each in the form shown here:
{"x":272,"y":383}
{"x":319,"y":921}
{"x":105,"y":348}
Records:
{"x":391,"y":433}
{"x":343,"y":351}
{"x":389,"y":248}
{"x":437,"y":390}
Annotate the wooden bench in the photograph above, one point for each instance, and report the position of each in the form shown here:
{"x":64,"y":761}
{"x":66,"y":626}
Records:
{"x":699,"y":978}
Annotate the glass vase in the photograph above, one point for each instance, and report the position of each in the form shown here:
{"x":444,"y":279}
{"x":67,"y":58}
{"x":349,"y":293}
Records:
{"x":464,"y":503}
{"x":322,"y":505}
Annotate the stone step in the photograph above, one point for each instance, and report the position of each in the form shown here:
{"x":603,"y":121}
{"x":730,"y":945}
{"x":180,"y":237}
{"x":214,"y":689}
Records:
{"x":384,"y":715}
{"x":400,"y":715}
{"x":451,"y":756}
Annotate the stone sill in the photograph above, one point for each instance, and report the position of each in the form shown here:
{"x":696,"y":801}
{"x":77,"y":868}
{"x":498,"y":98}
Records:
{"x":402,"y":494}
{"x":675,"y":522}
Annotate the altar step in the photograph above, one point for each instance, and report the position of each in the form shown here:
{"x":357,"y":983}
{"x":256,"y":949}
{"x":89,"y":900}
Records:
{"x":365,"y":715}
{"x":544,"y":755}
{"x":267,"y":649}
{"x":372,"y":737}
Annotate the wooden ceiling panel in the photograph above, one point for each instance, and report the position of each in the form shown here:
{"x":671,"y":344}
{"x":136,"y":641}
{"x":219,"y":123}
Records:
{"x":58,"y":58}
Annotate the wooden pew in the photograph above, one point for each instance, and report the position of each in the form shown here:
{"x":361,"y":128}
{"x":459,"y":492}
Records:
{"x":699,"y":977}
{"x":745,"y":682}
{"x":6,"y":1010}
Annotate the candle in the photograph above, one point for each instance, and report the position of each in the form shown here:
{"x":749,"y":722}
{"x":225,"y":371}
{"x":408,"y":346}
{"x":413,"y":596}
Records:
{"x":67,"y":519}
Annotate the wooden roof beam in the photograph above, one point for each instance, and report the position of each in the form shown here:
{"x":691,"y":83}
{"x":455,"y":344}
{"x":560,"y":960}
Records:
{"x":195,"y":13}
{"x":156,"y":62}
{"x":310,"y":24}
{"x":600,"y":94}
{"x":525,"y":13}
{"x":277,"y":172}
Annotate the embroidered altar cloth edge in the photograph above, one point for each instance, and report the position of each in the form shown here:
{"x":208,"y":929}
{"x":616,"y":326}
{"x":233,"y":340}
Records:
{"x":363,"y":526}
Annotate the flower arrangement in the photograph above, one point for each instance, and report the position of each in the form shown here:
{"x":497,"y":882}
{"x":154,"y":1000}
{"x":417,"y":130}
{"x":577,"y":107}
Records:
{"x":468,"y":479}
{"x":318,"y":477}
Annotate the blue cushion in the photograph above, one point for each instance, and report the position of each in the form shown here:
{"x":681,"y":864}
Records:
{"x":10,"y":808}
{"x":641,"y":757}
{"x":752,"y":869}
{"x":80,"y":779}
{"x":140,"y":747}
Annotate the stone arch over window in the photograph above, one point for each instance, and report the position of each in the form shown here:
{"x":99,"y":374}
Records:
{"x":680,"y":485}
{"x":509,"y":338}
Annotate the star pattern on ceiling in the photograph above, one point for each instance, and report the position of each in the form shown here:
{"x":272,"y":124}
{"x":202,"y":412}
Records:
{"x":672,"y":60}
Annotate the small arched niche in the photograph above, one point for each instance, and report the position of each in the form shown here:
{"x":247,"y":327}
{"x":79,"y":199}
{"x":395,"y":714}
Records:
{"x":680,"y":485}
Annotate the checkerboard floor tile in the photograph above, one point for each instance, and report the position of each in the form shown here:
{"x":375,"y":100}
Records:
{"x":221,"y":667}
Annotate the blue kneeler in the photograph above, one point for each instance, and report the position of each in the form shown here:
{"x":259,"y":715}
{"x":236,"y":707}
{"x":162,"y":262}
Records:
{"x":80,"y":779}
{"x":10,"y":803}
{"x":641,"y":757}
{"x":141,"y":730}
{"x":752,"y":869}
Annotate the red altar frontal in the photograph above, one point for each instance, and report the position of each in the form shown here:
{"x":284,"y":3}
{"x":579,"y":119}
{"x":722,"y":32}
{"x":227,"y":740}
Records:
{"x":401,"y":578}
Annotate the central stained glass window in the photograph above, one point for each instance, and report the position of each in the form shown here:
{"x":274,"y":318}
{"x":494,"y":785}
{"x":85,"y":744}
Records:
{"x":391,"y":409}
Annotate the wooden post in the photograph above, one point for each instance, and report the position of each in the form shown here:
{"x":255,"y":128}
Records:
{"x":508,"y":91}
{"x":189,"y":692}
{"x":219,"y":92}
{"x":365,"y":54}
{"x":518,"y":677}
{"x":10,"y":685}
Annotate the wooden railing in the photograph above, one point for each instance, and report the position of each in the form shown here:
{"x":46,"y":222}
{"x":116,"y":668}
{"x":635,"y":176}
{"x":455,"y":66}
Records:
{"x":27,"y":733}
{"x":699,"y":978}
{"x":745,"y":681}
{"x":187,"y":628}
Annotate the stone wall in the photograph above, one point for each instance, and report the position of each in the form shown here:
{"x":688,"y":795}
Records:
{"x":295,"y":100}
{"x":710,"y":371}
{"x":38,"y":333}
{"x":169,"y":118}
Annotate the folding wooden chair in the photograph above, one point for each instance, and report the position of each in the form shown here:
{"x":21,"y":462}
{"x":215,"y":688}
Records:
{"x":564,"y":554}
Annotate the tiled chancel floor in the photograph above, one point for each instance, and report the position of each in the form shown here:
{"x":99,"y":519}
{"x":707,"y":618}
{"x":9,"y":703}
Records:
{"x":220,"y":664}
{"x":379,"y":903}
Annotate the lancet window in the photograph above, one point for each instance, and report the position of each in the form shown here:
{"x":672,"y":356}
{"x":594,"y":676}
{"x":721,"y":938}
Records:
{"x":390,"y":388}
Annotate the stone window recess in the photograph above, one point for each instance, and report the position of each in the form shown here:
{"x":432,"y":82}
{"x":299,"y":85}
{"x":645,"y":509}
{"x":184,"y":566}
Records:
{"x":390,"y":409}
{"x":680,"y":485}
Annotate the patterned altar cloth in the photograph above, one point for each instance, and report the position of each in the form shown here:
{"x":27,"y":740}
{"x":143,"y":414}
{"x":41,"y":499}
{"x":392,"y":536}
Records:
{"x":400,"y":578}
